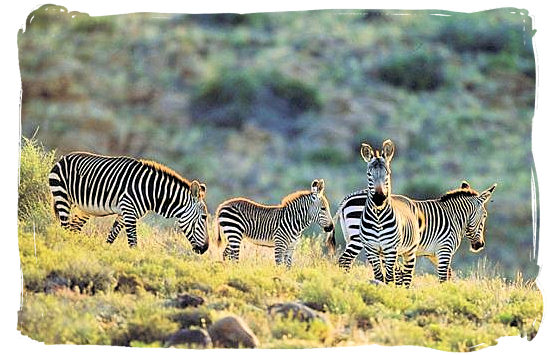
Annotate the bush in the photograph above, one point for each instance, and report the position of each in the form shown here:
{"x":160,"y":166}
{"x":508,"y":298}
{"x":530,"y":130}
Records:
{"x":269,"y":99}
{"x":45,"y":16}
{"x":227,"y":100}
{"x":476,"y":34}
{"x":86,"y":24}
{"x":34,"y":203}
{"x":422,"y":70}
{"x":288,"y":328}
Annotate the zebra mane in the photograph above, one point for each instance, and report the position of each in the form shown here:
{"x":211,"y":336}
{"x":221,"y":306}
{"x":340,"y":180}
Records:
{"x":294,"y":196}
{"x":457,"y":193}
{"x":166,"y":170}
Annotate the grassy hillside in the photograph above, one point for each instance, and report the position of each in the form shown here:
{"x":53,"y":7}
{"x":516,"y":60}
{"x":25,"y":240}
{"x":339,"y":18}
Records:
{"x":304,"y":89}
{"x":79,"y":290}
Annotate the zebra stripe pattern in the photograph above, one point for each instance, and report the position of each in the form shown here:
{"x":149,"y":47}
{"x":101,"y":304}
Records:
{"x":96,"y":185}
{"x":388,"y":227}
{"x":458,"y":214}
{"x":277,"y":226}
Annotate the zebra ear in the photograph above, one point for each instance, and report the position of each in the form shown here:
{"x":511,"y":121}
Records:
{"x":195,"y":189}
{"x":315,"y":186}
{"x":203,"y":191}
{"x":321,"y":185}
{"x":464,"y":185}
{"x":387,"y":150}
{"x":486,"y":195}
{"x":366,"y":152}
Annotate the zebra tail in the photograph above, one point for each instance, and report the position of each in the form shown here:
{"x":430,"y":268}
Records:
{"x":331,"y":243}
{"x":218,"y":232}
{"x":331,"y":238}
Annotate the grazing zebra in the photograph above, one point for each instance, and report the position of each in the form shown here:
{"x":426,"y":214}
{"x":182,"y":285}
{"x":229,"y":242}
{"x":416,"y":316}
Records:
{"x":388,"y":226}
{"x":457,"y":214}
{"x":101,"y":185}
{"x":276,"y":226}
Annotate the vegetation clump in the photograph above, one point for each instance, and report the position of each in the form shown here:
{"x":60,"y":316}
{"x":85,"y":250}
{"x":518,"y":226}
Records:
{"x":417,"y":71}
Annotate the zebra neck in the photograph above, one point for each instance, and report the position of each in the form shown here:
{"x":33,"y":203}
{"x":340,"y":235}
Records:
{"x":296,"y":212}
{"x":373,"y":208}
{"x":458,"y":210}
{"x":168,"y":203}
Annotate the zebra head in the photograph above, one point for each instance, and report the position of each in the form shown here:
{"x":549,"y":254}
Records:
{"x":193,"y":218}
{"x":475,"y":228}
{"x":319,"y":210}
{"x":378,"y":171}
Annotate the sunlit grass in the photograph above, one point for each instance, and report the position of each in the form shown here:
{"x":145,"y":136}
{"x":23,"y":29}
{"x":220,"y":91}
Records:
{"x":89,"y":305}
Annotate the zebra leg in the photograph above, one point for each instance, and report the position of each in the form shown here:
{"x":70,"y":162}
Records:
{"x":409,"y":261}
{"x":130,"y":215}
{"x":390,"y":257}
{"x":444,"y":264}
{"x":232,"y":250}
{"x":115,"y":229}
{"x":78,"y":221}
{"x":280,"y":250}
{"x":288,"y":255}
{"x":130,"y":224}
{"x":374,"y":260}
{"x":352,"y":250}
{"x":61,"y":201}
{"x":398,"y":272}
{"x":62,"y":210}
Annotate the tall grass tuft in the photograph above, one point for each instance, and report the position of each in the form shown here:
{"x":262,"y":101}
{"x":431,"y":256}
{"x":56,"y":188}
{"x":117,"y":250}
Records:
{"x":34,"y":203}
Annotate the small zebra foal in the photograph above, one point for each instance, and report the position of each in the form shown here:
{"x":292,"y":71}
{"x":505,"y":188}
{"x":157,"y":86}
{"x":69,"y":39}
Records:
{"x":98,"y":185}
{"x":277,"y":226}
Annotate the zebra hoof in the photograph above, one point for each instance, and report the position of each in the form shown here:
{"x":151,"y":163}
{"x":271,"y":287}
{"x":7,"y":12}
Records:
{"x":376,"y":282}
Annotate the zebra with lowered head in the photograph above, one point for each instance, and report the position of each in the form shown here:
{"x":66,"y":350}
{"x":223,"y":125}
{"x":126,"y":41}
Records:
{"x":100,"y":185}
{"x":277,"y":226}
{"x":456,"y":215}
{"x":388,"y":226}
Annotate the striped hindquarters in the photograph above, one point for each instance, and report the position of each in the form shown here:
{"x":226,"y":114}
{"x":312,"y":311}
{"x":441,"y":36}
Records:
{"x":94,"y":183}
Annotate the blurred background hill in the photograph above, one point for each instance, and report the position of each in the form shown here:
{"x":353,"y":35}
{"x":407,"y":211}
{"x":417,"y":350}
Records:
{"x":261,"y":104}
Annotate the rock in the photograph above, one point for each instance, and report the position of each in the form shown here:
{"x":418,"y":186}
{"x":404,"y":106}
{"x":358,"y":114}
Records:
{"x":232,"y":332}
{"x":239,"y":285}
{"x":192,"y":317}
{"x":295,"y":310}
{"x":187,"y":300}
{"x":315,"y":306}
{"x":190,"y":338}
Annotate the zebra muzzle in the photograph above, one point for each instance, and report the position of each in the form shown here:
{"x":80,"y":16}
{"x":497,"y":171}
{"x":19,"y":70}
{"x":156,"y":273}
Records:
{"x":328,"y":228}
{"x":478,"y":246}
{"x":379,"y":198}
{"x":201,"y":249}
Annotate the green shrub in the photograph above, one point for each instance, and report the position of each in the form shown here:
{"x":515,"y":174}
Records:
{"x":417,"y":71}
{"x":60,"y":319}
{"x":476,"y":34}
{"x":84,"y":23}
{"x":227,"y":100}
{"x":289,"y":328}
{"x":34,"y":203}
{"x":45,"y":16}
{"x":237,"y":96}
{"x":148,"y":323}
{"x":300,"y":97}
